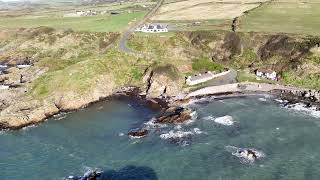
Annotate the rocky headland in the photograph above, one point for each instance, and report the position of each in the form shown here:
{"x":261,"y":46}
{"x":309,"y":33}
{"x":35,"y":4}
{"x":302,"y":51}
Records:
{"x":71,"y":70}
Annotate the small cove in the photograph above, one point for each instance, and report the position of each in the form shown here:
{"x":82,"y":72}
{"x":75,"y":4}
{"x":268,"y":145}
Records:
{"x":96,"y":138}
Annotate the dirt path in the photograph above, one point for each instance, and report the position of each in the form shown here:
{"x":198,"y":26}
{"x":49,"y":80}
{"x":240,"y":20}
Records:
{"x":127,"y":33}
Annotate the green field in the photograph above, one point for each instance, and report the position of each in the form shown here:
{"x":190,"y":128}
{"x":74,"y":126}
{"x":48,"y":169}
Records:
{"x":284,"y":16}
{"x":93,"y":23}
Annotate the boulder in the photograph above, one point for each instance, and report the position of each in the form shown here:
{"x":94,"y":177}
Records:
{"x":174,"y":115}
{"x":138,"y":133}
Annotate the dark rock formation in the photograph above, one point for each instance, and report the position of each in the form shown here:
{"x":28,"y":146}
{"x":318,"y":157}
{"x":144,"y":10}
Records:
{"x":89,"y":175}
{"x":138,"y":133}
{"x":174,"y":115}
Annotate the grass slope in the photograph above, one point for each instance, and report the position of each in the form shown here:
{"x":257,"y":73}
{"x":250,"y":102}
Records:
{"x":94,"y":23}
{"x":284,"y":16}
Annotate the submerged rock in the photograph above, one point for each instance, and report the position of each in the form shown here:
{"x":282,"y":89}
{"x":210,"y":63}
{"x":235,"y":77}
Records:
{"x":138,"y":133}
{"x":174,"y":115}
{"x":89,"y":175}
{"x":246,"y":155}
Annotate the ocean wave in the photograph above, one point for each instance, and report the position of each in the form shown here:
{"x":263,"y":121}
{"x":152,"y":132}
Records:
{"x":197,"y":131}
{"x":224,"y":120}
{"x":60,"y":116}
{"x":209,"y":118}
{"x":300,"y":107}
{"x":199,"y":101}
{"x":2,"y":132}
{"x":262,"y":99}
{"x":27,"y":128}
{"x":174,"y":135}
{"x":151,"y":124}
{"x":281,"y":101}
{"x":194,"y":117}
{"x":181,"y":134}
{"x":244,"y":157}
{"x":89,"y":173}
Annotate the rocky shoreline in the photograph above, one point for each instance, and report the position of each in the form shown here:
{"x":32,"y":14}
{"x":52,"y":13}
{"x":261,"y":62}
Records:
{"x":171,"y":111}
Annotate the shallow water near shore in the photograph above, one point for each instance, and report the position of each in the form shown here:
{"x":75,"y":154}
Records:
{"x":96,"y":138}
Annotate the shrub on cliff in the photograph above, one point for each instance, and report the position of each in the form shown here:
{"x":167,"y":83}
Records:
{"x":204,"y":64}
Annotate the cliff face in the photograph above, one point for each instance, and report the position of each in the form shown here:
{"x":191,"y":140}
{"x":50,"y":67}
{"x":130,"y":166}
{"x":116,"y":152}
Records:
{"x":280,"y":51}
{"x":28,"y":110}
{"x":163,"y":81}
{"x":73,"y":69}
{"x":69,"y":71}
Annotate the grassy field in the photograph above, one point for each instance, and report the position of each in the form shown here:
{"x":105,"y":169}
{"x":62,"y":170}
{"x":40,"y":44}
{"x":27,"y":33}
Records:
{"x":204,"y":9}
{"x":244,"y":76}
{"x":94,"y":23}
{"x":81,"y":76}
{"x":284,"y":16}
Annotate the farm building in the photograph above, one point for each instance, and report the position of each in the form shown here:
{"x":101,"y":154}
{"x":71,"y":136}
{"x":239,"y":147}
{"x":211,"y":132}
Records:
{"x":152,"y":28}
{"x":267,"y":73}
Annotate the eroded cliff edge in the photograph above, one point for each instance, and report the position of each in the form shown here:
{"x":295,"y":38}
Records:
{"x":71,"y":70}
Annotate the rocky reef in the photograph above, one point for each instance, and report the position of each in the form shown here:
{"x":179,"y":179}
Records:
{"x":174,"y":115}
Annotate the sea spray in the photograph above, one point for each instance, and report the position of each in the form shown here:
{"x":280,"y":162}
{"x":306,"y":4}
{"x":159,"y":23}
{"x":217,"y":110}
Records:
{"x":224,"y":120}
{"x":312,"y":111}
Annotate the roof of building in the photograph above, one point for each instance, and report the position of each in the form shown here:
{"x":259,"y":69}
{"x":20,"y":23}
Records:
{"x":154,"y":26}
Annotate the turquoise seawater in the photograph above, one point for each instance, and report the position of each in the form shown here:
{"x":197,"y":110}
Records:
{"x":92,"y":138}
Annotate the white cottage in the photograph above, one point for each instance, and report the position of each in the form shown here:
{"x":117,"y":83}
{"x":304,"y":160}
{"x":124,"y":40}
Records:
{"x":266,"y":73}
{"x":152,"y":28}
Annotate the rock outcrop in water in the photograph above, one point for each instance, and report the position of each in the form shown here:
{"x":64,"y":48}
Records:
{"x":308,"y":97}
{"x":89,"y":175}
{"x":174,"y":115}
{"x":138,"y":133}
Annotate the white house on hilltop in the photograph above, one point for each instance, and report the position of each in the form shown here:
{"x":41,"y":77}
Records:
{"x":267,"y":73}
{"x":152,"y":28}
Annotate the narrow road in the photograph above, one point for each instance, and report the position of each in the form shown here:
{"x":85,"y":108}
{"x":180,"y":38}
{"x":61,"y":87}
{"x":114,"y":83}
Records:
{"x":241,"y":87}
{"x":126,"y":34}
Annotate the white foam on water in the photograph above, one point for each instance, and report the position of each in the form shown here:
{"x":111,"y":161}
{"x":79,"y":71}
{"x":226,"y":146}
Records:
{"x":262,"y":99}
{"x":178,"y":127}
{"x":281,"y":101}
{"x":151,"y":124}
{"x":243,"y":158}
{"x":200,"y":100}
{"x":306,"y":110}
{"x":194,"y":117}
{"x":27,"y":128}
{"x":136,"y":137}
{"x":121,"y":134}
{"x":178,"y":134}
{"x":60,"y":116}
{"x":268,"y":96}
{"x":197,"y":131}
{"x":224,"y":120}
{"x":209,"y":118}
